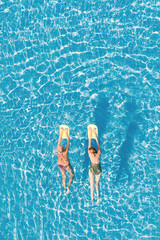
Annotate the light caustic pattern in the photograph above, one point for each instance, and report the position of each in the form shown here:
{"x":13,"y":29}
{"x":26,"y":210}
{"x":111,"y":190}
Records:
{"x":76,"y":63}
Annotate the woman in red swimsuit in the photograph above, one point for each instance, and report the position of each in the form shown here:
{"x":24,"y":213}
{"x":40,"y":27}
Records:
{"x":63,"y":161}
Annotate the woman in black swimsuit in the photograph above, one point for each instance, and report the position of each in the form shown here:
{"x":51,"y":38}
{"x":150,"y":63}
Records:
{"x":63,"y":161}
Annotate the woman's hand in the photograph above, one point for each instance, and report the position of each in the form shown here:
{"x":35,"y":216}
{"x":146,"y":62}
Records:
{"x":94,"y":132}
{"x":62,"y":130}
{"x":66,"y":132}
{"x":90,"y":132}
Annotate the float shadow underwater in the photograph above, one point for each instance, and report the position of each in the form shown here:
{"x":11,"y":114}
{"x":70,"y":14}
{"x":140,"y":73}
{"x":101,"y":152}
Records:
{"x":127,"y":146}
{"x":101,"y":118}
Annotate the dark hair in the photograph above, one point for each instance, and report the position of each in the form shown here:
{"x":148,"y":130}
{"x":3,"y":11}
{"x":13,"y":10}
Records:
{"x":93,"y":149}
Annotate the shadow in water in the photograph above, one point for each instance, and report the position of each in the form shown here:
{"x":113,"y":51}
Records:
{"x":101,"y":117}
{"x":125,"y":151}
{"x":127,"y":146}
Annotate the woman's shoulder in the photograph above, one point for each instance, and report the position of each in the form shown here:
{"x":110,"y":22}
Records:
{"x":98,"y":153}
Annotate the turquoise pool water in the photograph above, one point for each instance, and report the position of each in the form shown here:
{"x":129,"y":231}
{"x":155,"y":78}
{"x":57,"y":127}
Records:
{"x":76,"y":63}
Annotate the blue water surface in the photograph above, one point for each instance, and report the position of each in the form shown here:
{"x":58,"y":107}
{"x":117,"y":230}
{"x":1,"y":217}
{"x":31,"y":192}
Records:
{"x":76,"y":63}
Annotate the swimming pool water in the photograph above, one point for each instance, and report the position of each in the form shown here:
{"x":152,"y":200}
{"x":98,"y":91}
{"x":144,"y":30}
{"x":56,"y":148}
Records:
{"x":76,"y":63}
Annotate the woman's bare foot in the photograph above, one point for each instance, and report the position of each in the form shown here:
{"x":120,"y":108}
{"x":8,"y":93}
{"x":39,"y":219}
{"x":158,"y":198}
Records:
{"x":67,"y":190}
{"x":97,"y":201}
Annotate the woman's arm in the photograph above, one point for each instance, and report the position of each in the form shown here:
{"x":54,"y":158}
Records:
{"x":90,"y":134}
{"x":60,"y":137}
{"x":99,"y":149}
{"x":67,"y":147}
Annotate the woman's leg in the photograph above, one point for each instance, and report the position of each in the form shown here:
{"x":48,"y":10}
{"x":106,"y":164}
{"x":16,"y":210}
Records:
{"x":70,"y":170}
{"x":97,"y":178}
{"x":63,"y":177}
{"x":91,"y":177}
